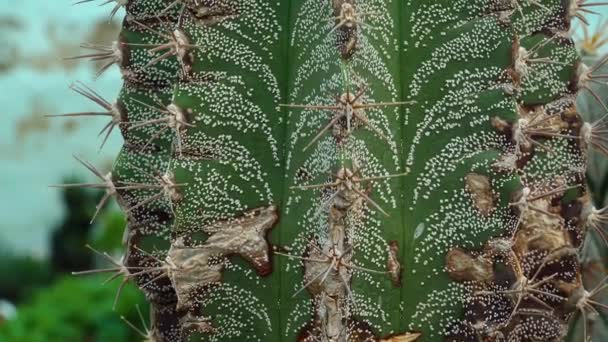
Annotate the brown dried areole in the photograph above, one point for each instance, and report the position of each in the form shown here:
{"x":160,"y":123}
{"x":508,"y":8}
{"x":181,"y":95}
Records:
{"x":534,"y":126}
{"x":173,"y":118}
{"x":481,"y":192}
{"x":462,"y":266}
{"x":197,"y":266}
{"x":193,"y":323}
{"x":393,"y":265}
{"x":539,"y":231}
{"x":349,"y":114}
{"x":352,"y":331}
{"x":329,"y":325}
{"x":192,"y":268}
{"x":541,"y":266}
{"x":211,"y":12}
{"x":501,"y":125}
{"x":346,"y":26}
{"x":165,"y":324}
{"x":245,"y":236}
{"x":175,"y":43}
{"x":158,"y":287}
{"x":407,"y":337}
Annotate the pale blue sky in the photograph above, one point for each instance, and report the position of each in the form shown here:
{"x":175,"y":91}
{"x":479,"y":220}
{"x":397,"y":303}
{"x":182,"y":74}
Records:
{"x":39,"y":84}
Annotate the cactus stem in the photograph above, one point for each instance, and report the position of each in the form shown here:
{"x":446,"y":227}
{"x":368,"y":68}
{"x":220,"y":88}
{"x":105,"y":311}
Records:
{"x":175,"y":119}
{"x":170,"y":6}
{"x":169,"y":190}
{"x":177,"y":44}
{"x":524,"y":58}
{"x":346,"y":181}
{"x":539,"y":124}
{"x":348,"y":107}
{"x":526,"y":288}
{"x":335,"y":258}
{"x":538,"y":4}
{"x":524,"y":203}
{"x":224,"y":190}
{"x":349,"y":18}
{"x":526,"y":206}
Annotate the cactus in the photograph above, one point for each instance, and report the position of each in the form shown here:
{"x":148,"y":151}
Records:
{"x":340,"y":170}
{"x":593,"y":256}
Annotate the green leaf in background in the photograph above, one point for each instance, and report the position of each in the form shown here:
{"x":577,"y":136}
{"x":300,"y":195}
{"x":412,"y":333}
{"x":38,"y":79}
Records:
{"x":75,"y":310}
{"x":109,"y":233}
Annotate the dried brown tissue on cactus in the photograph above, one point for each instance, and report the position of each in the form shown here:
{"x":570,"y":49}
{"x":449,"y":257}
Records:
{"x":347,"y":170}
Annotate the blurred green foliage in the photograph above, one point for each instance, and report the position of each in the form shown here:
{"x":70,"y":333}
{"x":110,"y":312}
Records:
{"x":69,"y":238}
{"x":108,"y":234}
{"x":75,"y":309}
{"x":24,"y":275}
{"x":53,"y":305}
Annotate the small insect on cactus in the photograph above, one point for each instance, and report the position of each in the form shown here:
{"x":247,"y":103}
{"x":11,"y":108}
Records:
{"x":354,"y":170}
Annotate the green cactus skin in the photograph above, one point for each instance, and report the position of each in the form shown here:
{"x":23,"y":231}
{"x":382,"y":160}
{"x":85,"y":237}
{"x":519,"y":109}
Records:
{"x":340,"y":170}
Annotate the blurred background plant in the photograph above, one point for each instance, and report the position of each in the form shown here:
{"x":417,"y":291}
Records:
{"x":54,"y":305}
{"x":592,"y":43}
{"x":44,"y":231}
